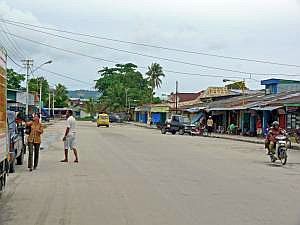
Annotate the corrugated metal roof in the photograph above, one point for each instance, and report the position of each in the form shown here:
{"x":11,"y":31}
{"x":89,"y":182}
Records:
{"x":267,"y":108}
{"x":258,"y":99}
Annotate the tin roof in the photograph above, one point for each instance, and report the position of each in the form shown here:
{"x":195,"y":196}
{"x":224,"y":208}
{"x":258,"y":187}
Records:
{"x":257,"y":101}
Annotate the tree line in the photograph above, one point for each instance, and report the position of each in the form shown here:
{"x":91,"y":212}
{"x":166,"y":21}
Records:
{"x":16,"y":81}
{"x":120,"y":87}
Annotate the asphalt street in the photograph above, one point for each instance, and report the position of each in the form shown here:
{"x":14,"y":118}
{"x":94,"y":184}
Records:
{"x":136,"y":176}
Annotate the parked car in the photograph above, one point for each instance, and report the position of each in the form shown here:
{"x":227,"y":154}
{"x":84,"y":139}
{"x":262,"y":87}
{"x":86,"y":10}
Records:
{"x":115,"y":118}
{"x":177,"y":123}
{"x":17,"y":145}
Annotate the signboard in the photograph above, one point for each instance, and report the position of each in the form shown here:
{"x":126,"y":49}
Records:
{"x":3,"y":121}
{"x":160,"y":109}
{"x":292,"y":108}
{"x":21,"y":98}
{"x":216,"y":91}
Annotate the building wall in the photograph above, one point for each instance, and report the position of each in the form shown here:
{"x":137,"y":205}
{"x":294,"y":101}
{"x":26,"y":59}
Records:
{"x":83,"y":114}
{"x":288,"y":87}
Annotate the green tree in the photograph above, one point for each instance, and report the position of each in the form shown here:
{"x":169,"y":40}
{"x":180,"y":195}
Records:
{"x":115,"y":82}
{"x":239,"y":85}
{"x":60,"y":96}
{"x":154,"y":75}
{"x":14,"y":79}
{"x":91,"y":107}
{"x":34,"y":85}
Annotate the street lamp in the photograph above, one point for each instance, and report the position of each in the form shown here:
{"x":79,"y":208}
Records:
{"x":45,"y":63}
{"x":27,"y":87}
{"x":241,"y":84}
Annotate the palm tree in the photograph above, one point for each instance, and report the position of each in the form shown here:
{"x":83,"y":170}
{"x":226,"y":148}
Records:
{"x":155,"y":72}
{"x":61,"y":96}
{"x":91,"y":107}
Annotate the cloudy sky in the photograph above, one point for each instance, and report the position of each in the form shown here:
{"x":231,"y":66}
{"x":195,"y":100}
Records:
{"x":256,"y":29}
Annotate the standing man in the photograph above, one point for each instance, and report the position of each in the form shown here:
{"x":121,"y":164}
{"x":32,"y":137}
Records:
{"x":70,"y":136}
{"x":210,"y":124}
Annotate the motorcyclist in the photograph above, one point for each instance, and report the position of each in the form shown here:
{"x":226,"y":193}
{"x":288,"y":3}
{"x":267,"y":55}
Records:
{"x":274,"y":131}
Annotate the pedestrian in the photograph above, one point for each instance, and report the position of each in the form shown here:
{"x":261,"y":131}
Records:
{"x":70,"y":137}
{"x":34,"y":141}
{"x":209,"y":125}
{"x":259,"y":127}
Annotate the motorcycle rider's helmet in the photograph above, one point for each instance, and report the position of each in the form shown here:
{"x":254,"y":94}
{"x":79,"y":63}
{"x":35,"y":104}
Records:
{"x":275,"y":124}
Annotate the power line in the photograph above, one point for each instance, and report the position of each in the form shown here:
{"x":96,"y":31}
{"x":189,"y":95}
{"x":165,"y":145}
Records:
{"x":65,"y":76}
{"x":17,"y":64}
{"x":12,"y":41}
{"x":15,"y":23}
{"x":5,"y":45}
{"x":161,"y":58}
{"x":8,"y":43}
{"x":54,"y":73}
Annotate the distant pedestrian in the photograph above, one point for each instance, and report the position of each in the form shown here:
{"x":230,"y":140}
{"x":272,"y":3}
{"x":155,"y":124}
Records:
{"x":259,"y":127}
{"x":70,"y":137}
{"x":34,"y":141}
{"x":209,"y":125}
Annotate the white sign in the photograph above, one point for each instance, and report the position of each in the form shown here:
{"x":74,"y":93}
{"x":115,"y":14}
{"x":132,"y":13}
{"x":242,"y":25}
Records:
{"x":21,"y":98}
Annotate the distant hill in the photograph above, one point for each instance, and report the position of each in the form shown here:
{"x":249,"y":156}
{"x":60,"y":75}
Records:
{"x":83,"y":94}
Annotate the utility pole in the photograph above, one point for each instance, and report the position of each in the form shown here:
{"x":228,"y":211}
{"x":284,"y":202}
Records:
{"x":49,"y":103}
{"x":27,"y":63}
{"x":243,"y":90}
{"x":41,"y":85}
{"x":176,"y":96}
{"x":53,"y":104}
{"x":126,"y":96}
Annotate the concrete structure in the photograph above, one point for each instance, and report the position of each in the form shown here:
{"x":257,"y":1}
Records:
{"x":16,"y":101}
{"x":275,"y":86}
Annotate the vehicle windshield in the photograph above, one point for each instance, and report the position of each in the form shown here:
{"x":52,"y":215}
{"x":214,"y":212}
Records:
{"x":185,"y":119}
{"x":103,"y":117}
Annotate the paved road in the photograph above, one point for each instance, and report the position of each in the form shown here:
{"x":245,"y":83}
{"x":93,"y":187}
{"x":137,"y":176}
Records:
{"x":135,"y":176}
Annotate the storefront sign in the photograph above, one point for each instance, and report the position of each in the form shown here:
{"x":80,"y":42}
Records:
{"x":292,"y":108}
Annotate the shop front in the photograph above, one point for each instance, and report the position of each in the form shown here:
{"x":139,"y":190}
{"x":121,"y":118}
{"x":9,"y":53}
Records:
{"x":142,"y":114}
{"x":159,"y":114}
{"x":292,"y":117}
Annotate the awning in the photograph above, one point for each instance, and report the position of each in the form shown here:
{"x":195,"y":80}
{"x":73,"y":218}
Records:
{"x":292,"y":104}
{"x":228,"y":109}
{"x":159,"y":109}
{"x":142,"y":109}
{"x":195,"y":109}
{"x":197,"y":118}
{"x":267,"y":108}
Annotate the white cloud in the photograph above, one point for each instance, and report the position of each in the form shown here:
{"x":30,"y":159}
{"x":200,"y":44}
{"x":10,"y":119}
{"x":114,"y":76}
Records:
{"x":254,"y":29}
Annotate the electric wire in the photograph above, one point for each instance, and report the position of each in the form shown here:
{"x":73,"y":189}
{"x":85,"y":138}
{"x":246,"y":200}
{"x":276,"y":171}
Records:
{"x":161,"y":58}
{"x":16,"y":23}
{"x":12,"y":41}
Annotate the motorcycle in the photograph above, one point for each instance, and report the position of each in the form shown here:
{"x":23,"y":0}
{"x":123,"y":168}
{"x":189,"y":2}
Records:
{"x":280,"y":149}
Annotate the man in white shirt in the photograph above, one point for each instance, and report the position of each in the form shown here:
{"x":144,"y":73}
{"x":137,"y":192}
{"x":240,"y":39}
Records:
{"x":70,"y":136}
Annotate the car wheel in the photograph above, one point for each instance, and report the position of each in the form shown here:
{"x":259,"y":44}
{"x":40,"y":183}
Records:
{"x":181,"y":131}
{"x":98,"y":125}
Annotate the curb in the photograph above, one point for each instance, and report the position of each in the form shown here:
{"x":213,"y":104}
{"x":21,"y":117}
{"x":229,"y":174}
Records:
{"x":142,"y":126}
{"x":226,"y":138}
{"x":251,"y":141}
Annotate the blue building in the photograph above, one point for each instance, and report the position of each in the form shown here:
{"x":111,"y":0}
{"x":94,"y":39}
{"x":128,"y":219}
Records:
{"x":275,"y":86}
